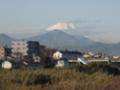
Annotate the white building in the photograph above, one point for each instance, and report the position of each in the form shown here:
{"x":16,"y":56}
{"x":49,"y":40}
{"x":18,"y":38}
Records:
{"x":19,"y":47}
{"x":25,"y":48}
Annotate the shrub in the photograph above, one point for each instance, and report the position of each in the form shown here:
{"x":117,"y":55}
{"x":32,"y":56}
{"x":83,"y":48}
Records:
{"x":92,"y":68}
{"x":39,"y":79}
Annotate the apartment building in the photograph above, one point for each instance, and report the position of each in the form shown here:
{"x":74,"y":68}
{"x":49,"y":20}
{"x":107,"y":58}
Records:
{"x":25,"y":48}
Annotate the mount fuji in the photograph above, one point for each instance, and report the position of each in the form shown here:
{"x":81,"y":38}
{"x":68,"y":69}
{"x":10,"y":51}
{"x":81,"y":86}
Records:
{"x":61,"y":40}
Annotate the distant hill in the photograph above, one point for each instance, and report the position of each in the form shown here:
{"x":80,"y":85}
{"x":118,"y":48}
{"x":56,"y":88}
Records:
{"x":5,"y":40}
{"x":111,"y":49}
{"x":60,"y":39}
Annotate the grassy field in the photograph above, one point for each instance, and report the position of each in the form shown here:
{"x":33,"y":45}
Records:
{"x":90,"y":77}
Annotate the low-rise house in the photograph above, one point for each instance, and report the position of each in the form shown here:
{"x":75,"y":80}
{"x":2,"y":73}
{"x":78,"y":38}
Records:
{"x":78,"y":61}
{"x":71,"y":55}
{"x":115,"y":59}
{"x":66,"y":57}
{"x":36,"y":59}
{"x":60,"y":63}
{"x":88,"y":55}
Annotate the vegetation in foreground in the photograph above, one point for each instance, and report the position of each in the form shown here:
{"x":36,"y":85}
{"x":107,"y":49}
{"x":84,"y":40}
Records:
{"x":90,"y":77}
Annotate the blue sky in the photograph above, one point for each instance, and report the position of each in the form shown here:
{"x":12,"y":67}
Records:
{"x":32,"y":15}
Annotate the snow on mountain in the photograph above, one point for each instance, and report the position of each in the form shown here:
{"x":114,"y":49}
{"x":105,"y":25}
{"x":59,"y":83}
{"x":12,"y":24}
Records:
{"x":61,"y":26}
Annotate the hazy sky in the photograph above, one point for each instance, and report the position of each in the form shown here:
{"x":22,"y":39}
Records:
{"x":32,"y":15}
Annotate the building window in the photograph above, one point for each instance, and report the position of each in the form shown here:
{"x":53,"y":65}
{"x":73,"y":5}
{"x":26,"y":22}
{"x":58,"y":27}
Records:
{"x":18,"y":43}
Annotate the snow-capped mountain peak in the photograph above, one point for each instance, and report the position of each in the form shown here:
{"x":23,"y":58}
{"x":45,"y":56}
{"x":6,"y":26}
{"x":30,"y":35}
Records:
{"x":61,"y":26}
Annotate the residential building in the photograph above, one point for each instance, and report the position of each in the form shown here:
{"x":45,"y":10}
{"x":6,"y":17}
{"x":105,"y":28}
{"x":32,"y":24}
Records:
{"x":19,"y":48}
{"x":33,"y":48}
{"x":71,"y":55}
{"x":25,"y":48}
{"x":4,"y":52}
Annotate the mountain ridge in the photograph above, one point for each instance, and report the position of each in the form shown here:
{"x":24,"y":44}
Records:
{"x":5,"y":40}
{"x":62,"y":40}
{"x":59,"y":39}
